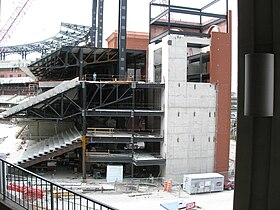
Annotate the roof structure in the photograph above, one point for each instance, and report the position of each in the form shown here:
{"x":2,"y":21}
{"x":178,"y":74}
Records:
{"x":64,"y":62}
{"x":69,"y":35}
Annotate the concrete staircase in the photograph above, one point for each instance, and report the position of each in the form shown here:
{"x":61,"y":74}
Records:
{"x":62,"y":87}
{"x":51,"y":147}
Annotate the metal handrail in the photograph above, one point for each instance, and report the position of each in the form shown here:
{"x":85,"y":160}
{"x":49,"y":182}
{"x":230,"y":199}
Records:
{"x":31,"y":191}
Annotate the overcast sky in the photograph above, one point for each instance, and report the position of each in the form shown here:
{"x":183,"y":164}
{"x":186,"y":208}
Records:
{"x":43,"y":18}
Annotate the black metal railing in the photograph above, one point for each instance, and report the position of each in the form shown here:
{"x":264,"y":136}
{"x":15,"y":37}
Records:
{"x":31,"y":191}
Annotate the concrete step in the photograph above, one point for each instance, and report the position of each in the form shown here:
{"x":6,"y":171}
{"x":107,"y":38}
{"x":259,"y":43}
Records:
{"x":50,"y":145}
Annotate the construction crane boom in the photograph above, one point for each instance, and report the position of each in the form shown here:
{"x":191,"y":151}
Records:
{"x":13,"y":20}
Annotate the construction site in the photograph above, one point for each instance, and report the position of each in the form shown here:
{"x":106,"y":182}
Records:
{"x":151,"y":105}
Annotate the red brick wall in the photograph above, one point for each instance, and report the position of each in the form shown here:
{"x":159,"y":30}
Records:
{"x":134,"y":40}
{"x":10,"y":72}
{"x":220,"y":73}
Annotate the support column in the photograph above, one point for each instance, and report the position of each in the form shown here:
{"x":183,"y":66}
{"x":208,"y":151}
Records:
{"x":81,"y":64}
{"x":3,"y":175}
{"x":84,"y":119}
{"x":133,"y":86}
{"x":84,"y":130}
{"x":258,"y":145}
{"x":100,"y":23}
{"x":93,"y":24}
{"x":122,"y":38}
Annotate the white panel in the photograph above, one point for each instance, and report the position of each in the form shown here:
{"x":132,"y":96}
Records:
{"x":114,"y":173}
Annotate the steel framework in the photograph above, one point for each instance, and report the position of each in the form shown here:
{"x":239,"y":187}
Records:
{"x":69,"y":35}
{"x":179,"y":27}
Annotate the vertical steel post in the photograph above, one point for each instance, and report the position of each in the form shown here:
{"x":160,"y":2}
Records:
{"x":52,"y":194}
{"x":84,"y":130}
{"x":81,"y":64}
{"x":122,"y":38}
{"x":169,"y":19}
{"x":100,"y":23}
{"x":83,"y":95}
{"x":3,"y":175}
{"x":93,"y":24}
{"x":133,"y":86}
{"x":150,"y":20}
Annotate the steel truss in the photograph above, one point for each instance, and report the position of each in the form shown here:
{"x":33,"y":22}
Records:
{"x":69,"y":35}
{"x":59,"y":107}
{"x":102,"y":99}
{"x":66,"y":62}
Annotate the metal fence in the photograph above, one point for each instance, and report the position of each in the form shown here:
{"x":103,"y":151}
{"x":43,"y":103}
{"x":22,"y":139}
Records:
{"x":31,"y":191}
{"x":148,"y":186}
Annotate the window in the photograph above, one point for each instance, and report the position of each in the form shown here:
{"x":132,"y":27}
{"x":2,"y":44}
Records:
{"x":19,"y":75}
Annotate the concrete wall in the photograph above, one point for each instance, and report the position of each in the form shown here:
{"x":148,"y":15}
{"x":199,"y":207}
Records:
{"x":189,"y":123}
{"x":190,"y":130}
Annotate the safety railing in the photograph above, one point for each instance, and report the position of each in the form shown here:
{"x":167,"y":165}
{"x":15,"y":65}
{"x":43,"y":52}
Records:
{"x":31,"y":191}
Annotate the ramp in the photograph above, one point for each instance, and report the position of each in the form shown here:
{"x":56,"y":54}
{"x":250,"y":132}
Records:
{"x":51,"y":147}
{"x":28,"y":72}
{"x":62,"y":87}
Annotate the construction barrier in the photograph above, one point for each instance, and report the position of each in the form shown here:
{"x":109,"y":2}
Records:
{"x":167,"y":185}
{"x":28,"y":192}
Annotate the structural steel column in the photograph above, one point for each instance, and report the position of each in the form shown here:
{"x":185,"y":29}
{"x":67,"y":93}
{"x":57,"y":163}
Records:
{"x":100,"y":23}
{"x":258,"y":145}
{"x":122,"y":38}
{"x":84,"y":130}
{"x":133,"y":86}
{"x":93,"y":24}
{"x":81,"y":64}
{"x":84,"y":121}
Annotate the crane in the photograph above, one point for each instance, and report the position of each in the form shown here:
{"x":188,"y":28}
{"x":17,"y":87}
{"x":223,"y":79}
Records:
{"x":13,"y":20}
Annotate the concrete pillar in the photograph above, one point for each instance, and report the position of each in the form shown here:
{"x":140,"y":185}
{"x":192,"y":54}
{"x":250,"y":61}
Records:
{"x":258,"y":145}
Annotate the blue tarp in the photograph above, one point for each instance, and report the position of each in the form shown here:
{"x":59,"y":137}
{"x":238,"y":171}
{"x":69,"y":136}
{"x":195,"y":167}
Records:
{"x":174,"y":205}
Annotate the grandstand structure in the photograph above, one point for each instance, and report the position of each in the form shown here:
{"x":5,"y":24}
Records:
{"x":162,"y":113}
{"x":69,"y":35}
